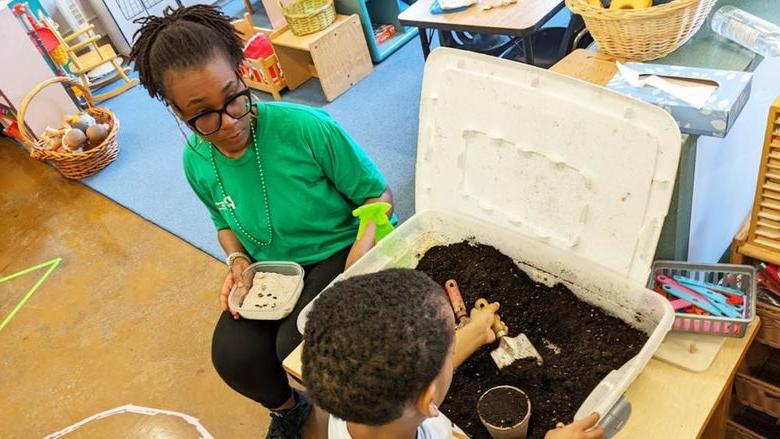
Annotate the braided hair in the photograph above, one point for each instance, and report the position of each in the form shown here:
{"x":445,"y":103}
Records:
{"x":182,"y":38}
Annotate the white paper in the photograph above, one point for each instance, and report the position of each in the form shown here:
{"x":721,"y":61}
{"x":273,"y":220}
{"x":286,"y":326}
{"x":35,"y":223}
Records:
{"x":693,"y":93}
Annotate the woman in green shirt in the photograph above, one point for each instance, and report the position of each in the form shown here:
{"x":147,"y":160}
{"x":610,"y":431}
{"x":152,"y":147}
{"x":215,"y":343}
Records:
{"x":278,"y":180}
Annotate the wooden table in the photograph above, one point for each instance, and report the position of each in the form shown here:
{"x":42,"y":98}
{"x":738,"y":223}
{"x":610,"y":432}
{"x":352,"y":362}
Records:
{"x":521,"y":19}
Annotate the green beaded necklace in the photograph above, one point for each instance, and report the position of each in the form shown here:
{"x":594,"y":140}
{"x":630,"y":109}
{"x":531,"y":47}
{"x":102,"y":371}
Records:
{"x":260,"y":174}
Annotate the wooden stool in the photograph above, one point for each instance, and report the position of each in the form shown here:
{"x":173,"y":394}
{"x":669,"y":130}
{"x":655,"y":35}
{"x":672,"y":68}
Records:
{"x":338,"y":56}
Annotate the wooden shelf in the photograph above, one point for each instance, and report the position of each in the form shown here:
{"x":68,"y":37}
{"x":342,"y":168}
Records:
{"x":337,"y":55}
{"x":373,"y":12}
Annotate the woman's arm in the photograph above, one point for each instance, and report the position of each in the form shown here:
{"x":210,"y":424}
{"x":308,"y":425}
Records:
{"x":230,"y":244}
{"x":362,"y":245}
{"x":366,"y":242}
{"x":387,"y":197}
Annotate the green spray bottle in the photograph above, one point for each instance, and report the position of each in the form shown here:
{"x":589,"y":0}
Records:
{"x":378,"y":213}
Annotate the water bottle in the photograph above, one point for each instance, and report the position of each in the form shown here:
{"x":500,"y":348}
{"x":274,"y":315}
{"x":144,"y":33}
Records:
{"x":750,"y":31}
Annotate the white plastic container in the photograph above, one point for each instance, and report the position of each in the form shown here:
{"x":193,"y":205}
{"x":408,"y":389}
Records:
{"x":569,"y":179}
{"x":285,"y":300}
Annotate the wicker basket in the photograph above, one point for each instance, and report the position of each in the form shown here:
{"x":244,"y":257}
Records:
{"x":643,"y":34}
{"x":73,"y":165}
{"x":737,"y":431}
{"x":755,"y":392}
{"x":308,"y":16}
{"x":769,"y":334}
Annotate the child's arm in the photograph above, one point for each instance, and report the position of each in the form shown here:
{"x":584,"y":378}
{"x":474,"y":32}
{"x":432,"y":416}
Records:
{"x":585,"y":428}
{"x":475,"y":334}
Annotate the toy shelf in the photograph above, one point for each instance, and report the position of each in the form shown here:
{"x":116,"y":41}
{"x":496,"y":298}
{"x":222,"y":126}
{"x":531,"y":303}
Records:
{"x":376,"y":12}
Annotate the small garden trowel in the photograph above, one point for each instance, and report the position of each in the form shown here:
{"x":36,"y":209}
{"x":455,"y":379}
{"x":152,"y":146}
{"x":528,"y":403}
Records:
{"x":510,"y":349}
{"x":456,"y":300}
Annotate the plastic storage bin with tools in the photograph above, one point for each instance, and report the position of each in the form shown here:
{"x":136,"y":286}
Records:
{"x":737,"y":277}
{"x":571,"y":180}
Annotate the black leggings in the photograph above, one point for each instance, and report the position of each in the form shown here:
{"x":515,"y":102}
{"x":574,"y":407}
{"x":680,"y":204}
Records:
{"x":248,"y":354}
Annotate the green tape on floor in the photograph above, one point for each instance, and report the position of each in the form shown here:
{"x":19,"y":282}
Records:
{"x":51,"y":264}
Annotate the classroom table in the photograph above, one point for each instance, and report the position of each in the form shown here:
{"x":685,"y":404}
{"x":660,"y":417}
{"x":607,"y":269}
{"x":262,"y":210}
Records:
{"x":519,"y":19}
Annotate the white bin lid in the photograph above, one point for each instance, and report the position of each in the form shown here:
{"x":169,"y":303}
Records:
{"x":555,"y":158}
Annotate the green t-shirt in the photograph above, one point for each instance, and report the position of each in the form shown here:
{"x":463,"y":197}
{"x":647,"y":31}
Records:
{"x":315,"y":175}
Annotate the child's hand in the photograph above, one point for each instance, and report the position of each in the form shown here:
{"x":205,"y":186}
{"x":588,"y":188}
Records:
{"x":483,"y":319}
{"x":585,"y":428}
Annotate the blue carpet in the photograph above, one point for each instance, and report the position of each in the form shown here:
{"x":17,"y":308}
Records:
{"x":380,"y":112}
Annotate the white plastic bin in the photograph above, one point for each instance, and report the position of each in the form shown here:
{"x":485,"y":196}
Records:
{"x":569,"y":179}
{"x":632,"y":303}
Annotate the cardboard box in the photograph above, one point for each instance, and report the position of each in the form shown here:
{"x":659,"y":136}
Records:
{"x":718,"y":113}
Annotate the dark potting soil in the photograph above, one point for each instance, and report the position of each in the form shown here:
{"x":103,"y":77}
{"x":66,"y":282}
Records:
{"x":503,"y":407}
{"x":590,"y":342}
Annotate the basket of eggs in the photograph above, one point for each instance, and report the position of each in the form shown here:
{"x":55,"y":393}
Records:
{"x":85,"y":144}
{"x":641,"y":30}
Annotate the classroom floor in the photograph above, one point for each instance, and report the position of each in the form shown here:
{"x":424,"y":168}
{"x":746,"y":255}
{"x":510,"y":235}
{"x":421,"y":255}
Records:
{"x":125,"y":318}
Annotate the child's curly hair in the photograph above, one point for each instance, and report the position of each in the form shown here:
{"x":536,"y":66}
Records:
{"x":181,"y":38}
{"x":374,"y":342}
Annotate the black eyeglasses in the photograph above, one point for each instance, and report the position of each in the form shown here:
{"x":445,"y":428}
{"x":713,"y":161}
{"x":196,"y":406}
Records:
{"x":209,"y":122}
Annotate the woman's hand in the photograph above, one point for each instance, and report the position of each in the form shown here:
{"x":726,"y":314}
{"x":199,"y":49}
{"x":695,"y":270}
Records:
{"x":233,"y":278}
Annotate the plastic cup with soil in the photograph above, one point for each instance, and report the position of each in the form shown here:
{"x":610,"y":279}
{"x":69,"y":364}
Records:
{"x":505,"y":411}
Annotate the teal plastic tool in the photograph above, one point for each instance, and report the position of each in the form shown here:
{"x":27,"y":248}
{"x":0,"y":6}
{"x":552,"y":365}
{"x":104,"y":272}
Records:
{"x":376,"y":212}
{"x":688,"y":281}
{"x":719,"y":301}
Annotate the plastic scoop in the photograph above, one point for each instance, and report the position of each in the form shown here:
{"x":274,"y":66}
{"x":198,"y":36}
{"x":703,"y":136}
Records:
{"x":376,"y":212}
{"x":510,"y":349}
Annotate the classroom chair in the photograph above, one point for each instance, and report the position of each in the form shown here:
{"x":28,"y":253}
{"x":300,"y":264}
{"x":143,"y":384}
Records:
{"x":85,"y":55}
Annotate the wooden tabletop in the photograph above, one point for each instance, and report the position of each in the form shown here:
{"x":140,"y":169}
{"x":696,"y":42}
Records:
{"x":293,"y":365}
{"x":670,"y":402}
{"x":594,"y":67}
{"x":520,"y":18}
